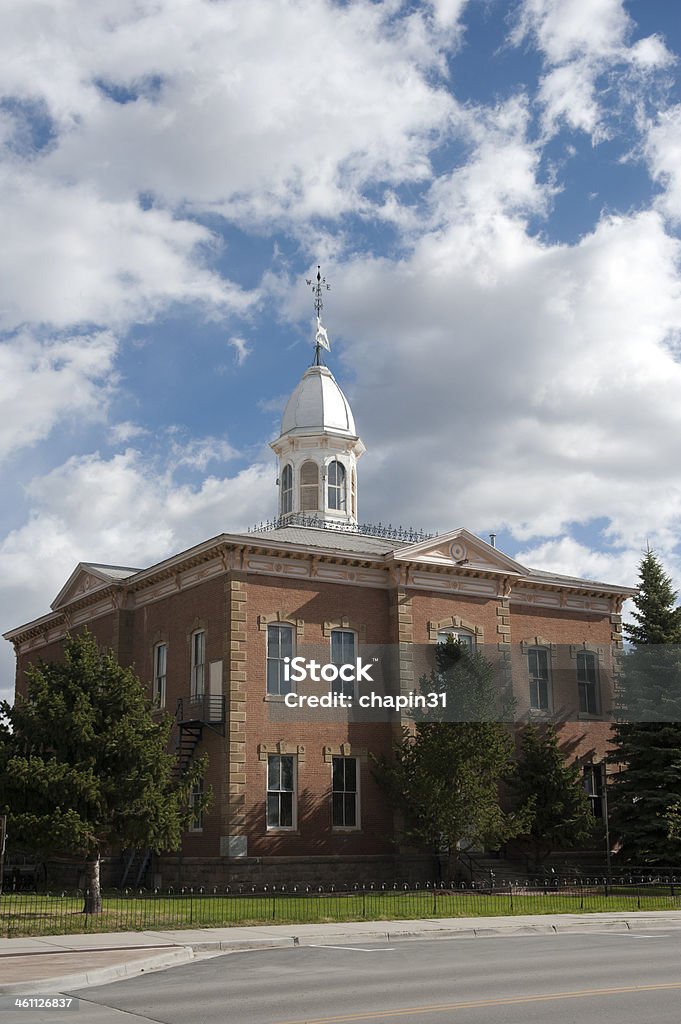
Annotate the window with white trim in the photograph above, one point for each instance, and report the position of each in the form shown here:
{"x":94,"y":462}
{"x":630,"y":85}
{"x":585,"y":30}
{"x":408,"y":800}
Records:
{"x":309,"y":487}
{"x":281,"y":791}
{"x":587,"y":682}
{"x":345,"y":792}
{"x":279,"y":646}
{"x":463,"y":636}
{"x":286,"y":490}
{"x":593,"y":785}
{"x":160,"y":663}
{"x":336,"y":485}
{"x":198,"y":687}
{"x":540,"y":678}
{"x":194,"y":797}
{"x":343,"y":652}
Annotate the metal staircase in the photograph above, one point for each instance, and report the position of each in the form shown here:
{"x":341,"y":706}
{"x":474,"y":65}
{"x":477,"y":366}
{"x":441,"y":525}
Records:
{"x":135,"y":866}
{"x":192,"y":716}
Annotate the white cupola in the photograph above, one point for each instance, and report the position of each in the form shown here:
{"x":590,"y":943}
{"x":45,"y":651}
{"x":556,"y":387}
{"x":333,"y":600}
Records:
{"x":318,"y":447}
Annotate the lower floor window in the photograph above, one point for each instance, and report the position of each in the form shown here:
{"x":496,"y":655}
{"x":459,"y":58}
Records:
{"x":593,"y":784}
{"x":345,"y":808}
{"x":195,"y":804}
{"x":280,"y":791}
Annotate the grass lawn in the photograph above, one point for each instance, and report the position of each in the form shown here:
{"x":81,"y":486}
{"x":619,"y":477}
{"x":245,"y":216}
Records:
{"x":31,"y":914}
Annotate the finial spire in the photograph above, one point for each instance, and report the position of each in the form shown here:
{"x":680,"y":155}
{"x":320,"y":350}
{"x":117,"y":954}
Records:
{"x":321,"y":337}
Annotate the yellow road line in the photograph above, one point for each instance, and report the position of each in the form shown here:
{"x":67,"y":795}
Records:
{"x":478,"y":1003}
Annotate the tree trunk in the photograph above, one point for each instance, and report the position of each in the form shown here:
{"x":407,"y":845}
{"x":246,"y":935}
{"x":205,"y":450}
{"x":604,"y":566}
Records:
{"x":93,"y":889}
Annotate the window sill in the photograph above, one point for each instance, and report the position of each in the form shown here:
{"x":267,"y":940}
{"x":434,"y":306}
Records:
{"x":282,"y":830}
{"x":589,"y":716}
{"x":347,"y":829}
{"x":275,"y":698}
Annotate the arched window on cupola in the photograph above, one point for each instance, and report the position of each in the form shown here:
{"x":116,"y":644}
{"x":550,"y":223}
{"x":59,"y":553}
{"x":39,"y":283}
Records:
{"x":286,"y":490}
{"x":309,"y":487}
{"x":336,"y":486}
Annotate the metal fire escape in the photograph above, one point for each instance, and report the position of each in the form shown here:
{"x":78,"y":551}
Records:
{"x":192,"y":716}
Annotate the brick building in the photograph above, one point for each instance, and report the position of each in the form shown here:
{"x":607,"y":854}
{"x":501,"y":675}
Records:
{"x":208,"y":631}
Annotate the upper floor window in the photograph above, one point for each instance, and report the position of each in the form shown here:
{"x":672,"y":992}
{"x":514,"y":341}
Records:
{"x":462,"y":636}
{"x":279,"y":646}
{"x":540,"y":680}
{"x":281,"y":785}
{"x":198,"y":663}
{"x":286,"y":490}
{"x":354,"y":492}
{"x":336,"y":485}
{"x":345,"y":795}
{"x":160,"y":662}
{"x":309,"y":487}
{"x":587,"y":682}
{"x":343,"y":652}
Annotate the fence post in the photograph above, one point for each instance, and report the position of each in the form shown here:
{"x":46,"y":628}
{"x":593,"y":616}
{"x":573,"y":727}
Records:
{"x":434,"y":902}
{"x":510,"y":894}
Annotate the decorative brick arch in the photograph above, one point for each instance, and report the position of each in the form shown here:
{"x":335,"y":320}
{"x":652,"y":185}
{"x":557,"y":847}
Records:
{"x":456,"y":622}
{"x":286,"y":618}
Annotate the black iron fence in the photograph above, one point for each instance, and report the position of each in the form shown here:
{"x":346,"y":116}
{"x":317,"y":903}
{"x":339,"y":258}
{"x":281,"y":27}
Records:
{"x":203,"y":907}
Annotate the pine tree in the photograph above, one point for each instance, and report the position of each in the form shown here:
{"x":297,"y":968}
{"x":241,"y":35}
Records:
{"x":84,"y":763}
{"x":445,"y":776}
{"x":553,"y":792}
{"x":647,"y":736}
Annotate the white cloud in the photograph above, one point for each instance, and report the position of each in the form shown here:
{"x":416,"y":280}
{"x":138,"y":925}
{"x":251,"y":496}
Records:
{"x":291,"y":109}
{"x":565,"y":29}
{"x":539,"y":390}
{"x":579,"y":42}
{"x":241,"y":349}
{"x":124,"y":510}
{"x":45,"y":382}
{"x":71,"y":256}
{"x":663,"y":150}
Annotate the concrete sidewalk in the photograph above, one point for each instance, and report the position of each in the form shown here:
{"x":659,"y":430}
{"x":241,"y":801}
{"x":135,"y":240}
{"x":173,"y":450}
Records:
{"x":58,"y":963}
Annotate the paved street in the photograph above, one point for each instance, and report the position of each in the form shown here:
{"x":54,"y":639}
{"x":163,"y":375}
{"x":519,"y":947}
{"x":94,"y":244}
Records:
{"x":627,"y":978}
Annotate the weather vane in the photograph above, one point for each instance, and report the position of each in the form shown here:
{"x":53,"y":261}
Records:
{"x":318,"y":288}
{"x":321,"y":337}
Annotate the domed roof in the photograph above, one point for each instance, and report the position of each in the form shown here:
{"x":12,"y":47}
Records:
{"x":318,"y":405}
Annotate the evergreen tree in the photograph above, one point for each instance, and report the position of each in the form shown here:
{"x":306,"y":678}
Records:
{"x":445,"y":776}
{"x":84,"y":763}
{"x":553,"y":792}
{"x":647,"y":735}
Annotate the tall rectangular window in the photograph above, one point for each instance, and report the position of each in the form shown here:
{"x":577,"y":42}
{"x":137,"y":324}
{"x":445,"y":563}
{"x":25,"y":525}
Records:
{"x":160,"y":662}
{"x":345,"y":795}
{"x":593,"y":784}
{"x":538,"y":658}
{"x":280,"y":791}
{"x":194,"y":797}
{"x":198,"y":664}
{"x":279,"y":646}
{"x":343,"y":651}
{"x":587,"y":682}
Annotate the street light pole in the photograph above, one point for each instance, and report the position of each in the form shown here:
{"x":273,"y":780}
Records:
{"x":604,"y":783}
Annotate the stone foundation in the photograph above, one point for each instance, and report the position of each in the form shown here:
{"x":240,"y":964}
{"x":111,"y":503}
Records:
{"x":341,"y":872}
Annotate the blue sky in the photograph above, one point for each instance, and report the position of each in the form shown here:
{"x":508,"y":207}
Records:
{"x":493,"y":189}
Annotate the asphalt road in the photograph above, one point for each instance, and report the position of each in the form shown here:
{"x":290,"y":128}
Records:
{"x":623,"y":978}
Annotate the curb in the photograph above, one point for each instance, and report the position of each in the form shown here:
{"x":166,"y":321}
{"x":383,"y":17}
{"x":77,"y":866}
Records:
{"x":468,"y":931}
{"x":100,"y":975}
